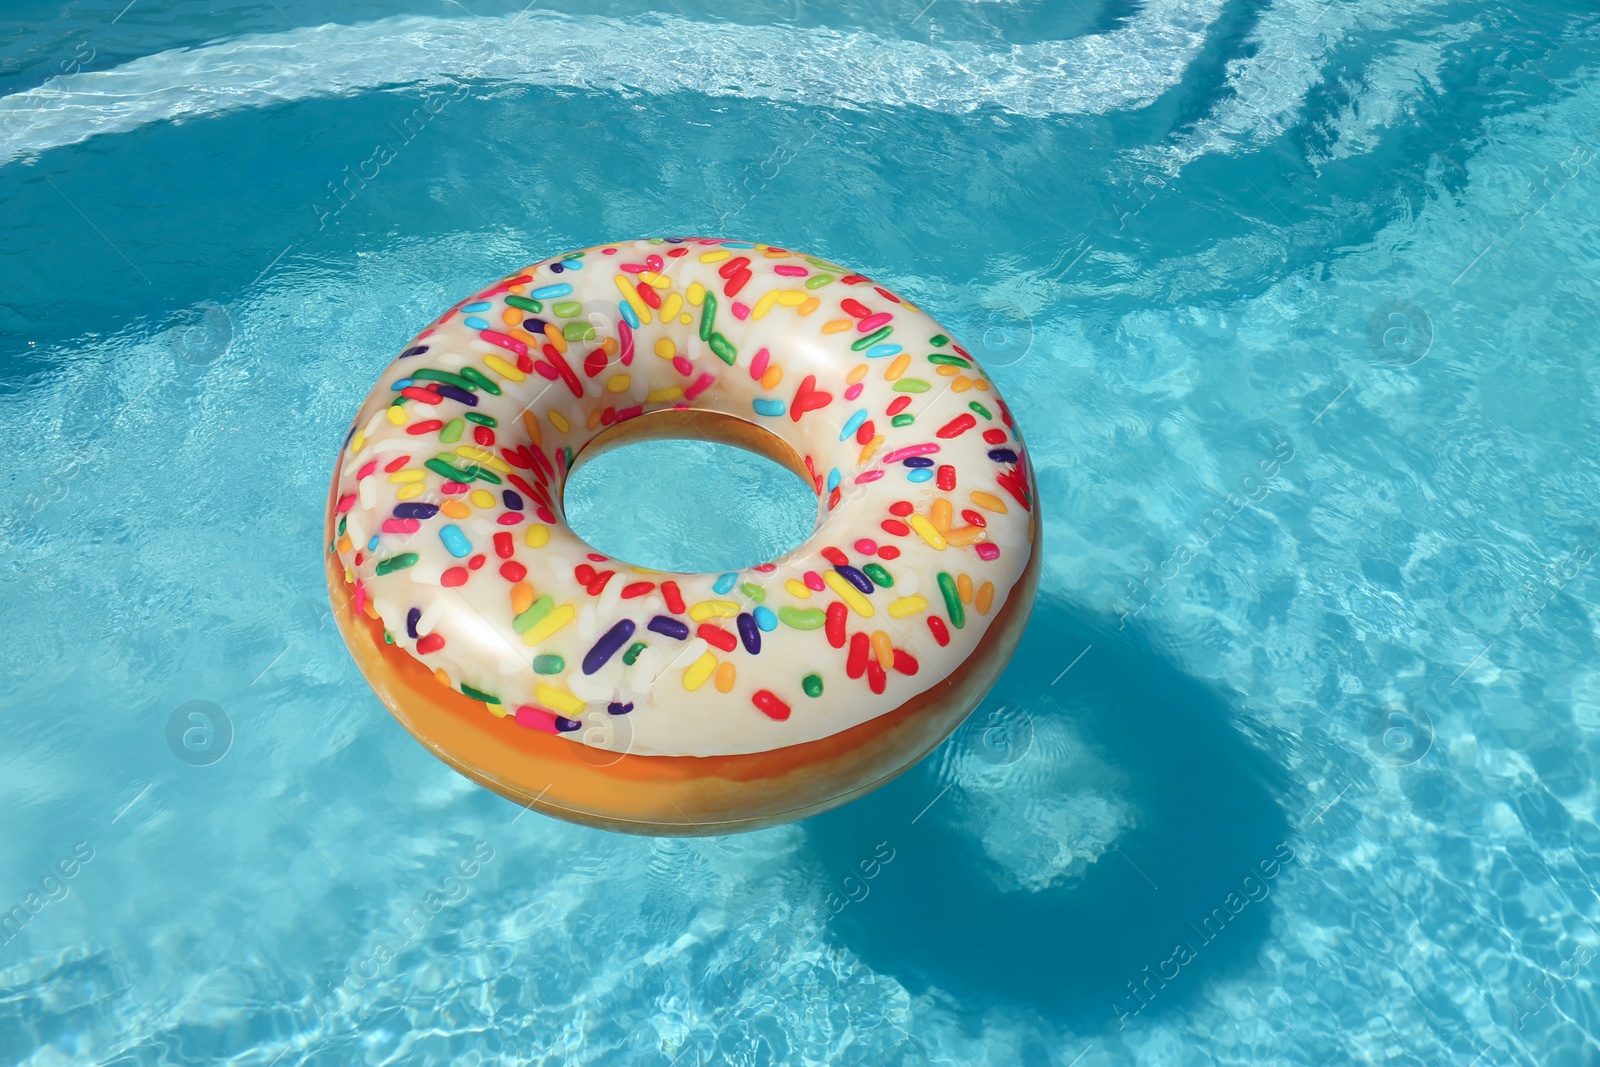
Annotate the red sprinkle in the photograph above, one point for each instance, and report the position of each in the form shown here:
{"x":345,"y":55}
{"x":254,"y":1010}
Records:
{"x":995,"y":437}
{"x":733,"y":266}
{"x":717,"y":636}
{"x":476,"y":561}
{"x":895,"y":527}
{"x":674,"y":599}
{"x":888,"y":552}
{"x":395,"y":465}
{"x":422,"y":395}
{"x":838,"y":614}
{"x":512,"y":571}
{"x":596,"y":587}
{"x":770,"y":705}
{"x":483,"y":435}
{"x":877,"y":681}
{"x":430,"y":643}
{"x":854,"y":308}
{"x":905,"y":662}
{"x":947,"y":477}
{"x":956,"y":426}
{"x":860,"y":647}
{"x":941,"y":632}
{"x":419,"y":428}
{"x":504,"y":547}
{"x":864,"y":432}
{"x":901,"y":508}
{"x":898,"y":405}
{"x":584,"y":573}
{"x":595,"y":362}
{"x":637,"y":589}
{"x":453,"y":577}
{"x":835,"y":557}
{"x":867,"y":547}
{"x":972,"y":518}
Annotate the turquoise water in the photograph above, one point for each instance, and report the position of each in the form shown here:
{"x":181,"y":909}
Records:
{"x":1296,"y":302}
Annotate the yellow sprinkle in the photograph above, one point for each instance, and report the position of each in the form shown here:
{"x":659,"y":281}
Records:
{"x":882,"y":649}
{"x":764,"y":305}
{"x":898,"y":367}
{"x":961,"y":384}
{"x":713,"y":609}
{"x":939,"y":514}
{"x":441,"y":677}
{"x":988,"y":502}
{"x":848,"y":593}
{"x":695,"y":675}
{"x":397,"y":415}
{"x":558,"y":617}
{"x":964,"y":588}
{"x":665,"y":348}
{"x":809,"y":306}
{"x":671,"y":306}
{"x":869,"y":448}
{"x":725,"y":676}
{"x":792,"y":297}
{"x":946,"y":370}
{"x":966,"y":535}
{"x":480,"y":455}
{"x":557,"y":340}
{"x":594,"y":418}
{"x":556,"y":698}
{"x":499,"y":711}
{"x":618,"y":383}
{"x":716,"y":256}
{"x":858,"y":372}
{"x":406,"y":476}
{"x":982,"y":386}
{"x":798,"y":589}
{"x":985,"y":597}
{"x":651,"y":278}
{"x":511,"y":317}
{"x":482,"y":498}
{"x":837,"y":325}
{"x":558,"y":420}
{"x":537,"y":536}
{"x":686,"y":318}
{"x":907,"y":605}
{"x":530,"y":422}
{"x":665,"y":396}
{"x":926,"y":531}
{"x":631,"y":295}
{"x":455,"y":509}
{"x":357,"y":443}
{"x":771,"y":379}
{"x":502,"y":368}
{"x":410,"y":492}
{"x":697,"y":294}
{"x":521,"y":597}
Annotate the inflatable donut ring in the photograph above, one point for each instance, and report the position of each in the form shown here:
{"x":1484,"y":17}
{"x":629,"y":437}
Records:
{"x":650,"y":702}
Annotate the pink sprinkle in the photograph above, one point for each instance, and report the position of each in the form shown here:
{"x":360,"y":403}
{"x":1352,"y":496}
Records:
{"x":371,"y":466}
{"x":790,"y":271}
{"x":452,"y":488}
{"x":701,"y":385}
{"x":401,"y":526}
{"x":510,"y":518}
{"x":758,"y":366}
{"x":867,"y":546}
{"x":496,"y":290}
{"x":630,"y":268}
{"x":426,"y":332}
{"x":537,"y":719}
{"x":869,"y":476}
{"x":988,"y":550}
{"x":510,"y":344}
{"x":545,"y":515}
{"x":766,"y":568}
{"x":740,"y":312}
{"x":910,"y":450}
{"x":682,"y":366}
{"x":654,"y":262}
{"x":814,"y":582}
{"x":346,"y":502}
{"x":608,"y":251}
{"x":854,"y":391}
{"x":625,"y":332}
{"x":361,"y":597}
{"x":872,"y":322}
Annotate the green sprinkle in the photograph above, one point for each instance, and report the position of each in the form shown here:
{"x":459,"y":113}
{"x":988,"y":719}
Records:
{"x":567,"y":308}
{"x":549,"y":663}
{"x":722,"y":347}
{"x":530,"y":618}
{"x":481,"y":379}
{"x":428,"y":374}
{"x":397,"y":563}
{"x":578,"y":331}
{"x":938,"y":340}
{"x":439,"y":466}
{"x":902,"y":420}
{"x":568,"y":451}
{"x":817,"y":281}
{"x":980,"y":409}
{"x":452,"y":431}
{"x":708,"y":316}
{"x":513,"y":300}
{"x":802,"y":618}
{"x":478,"y":694}
{"x":482,"y":420}
{"x":343,"y":521}
{"x":880,"y":576}
{"x":753,"y":591}
{"x":812,"y":684}
{"x":484,"y":474}
{"x":952,"y":600}
{"x":944,"y":359}
{"x":388,"y":638}
{"x":631,"y":656}
{"x":871,"y":339}
{"x":910,"y":385}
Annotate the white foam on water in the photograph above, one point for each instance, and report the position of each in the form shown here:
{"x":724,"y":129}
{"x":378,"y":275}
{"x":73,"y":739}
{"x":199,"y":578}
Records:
{"x":1126,"y":68}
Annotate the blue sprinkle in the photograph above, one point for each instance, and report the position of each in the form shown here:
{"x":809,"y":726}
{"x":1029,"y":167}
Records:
{"x":455,"y":541}
{"x":1003,"y":455}
{"x":629,"y":316}
{"x":736,"y":244}
{"x":512,"y":498}
{"x":724,"y":582}
{"x":477,"y":323}
{"x":769,"y":407}
{"x":572,"y":264}
{"x":372,"y":544}
{"x":920,"y":474}
{"x":878,"y":351}
{"x":853,"y":425}
{"x":477,"y":305}
{"x":917,"y":461}
{"x":550,"y":292}
{"x":401,"y":384}
{"x":765,"y":618}
{"x":833,"y":479}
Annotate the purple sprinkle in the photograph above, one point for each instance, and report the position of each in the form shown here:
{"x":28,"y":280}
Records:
{"x":607,"y":646}
{"x":749,"y":633}
{"x":513,"y":499}
{"x":459,"y":394}
{"x":556,"y":268}
{"x":1002,"y":455}
{"x":415,"y":511}
{"x":566,"y":725}
{"x":855,"y":578}
{"x":414,"y":350}
{"x":616,"y":707}
{"x":534,"y":325}
{"x":669,"y":627}
{"x":413,"y":617}
{"x":917,"y":461}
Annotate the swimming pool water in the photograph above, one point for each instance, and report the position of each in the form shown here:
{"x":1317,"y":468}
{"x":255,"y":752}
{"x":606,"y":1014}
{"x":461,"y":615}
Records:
{"x":1296,"y":302}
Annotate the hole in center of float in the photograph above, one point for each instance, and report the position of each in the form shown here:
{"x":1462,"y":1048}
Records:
{"x":689,"y":506}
